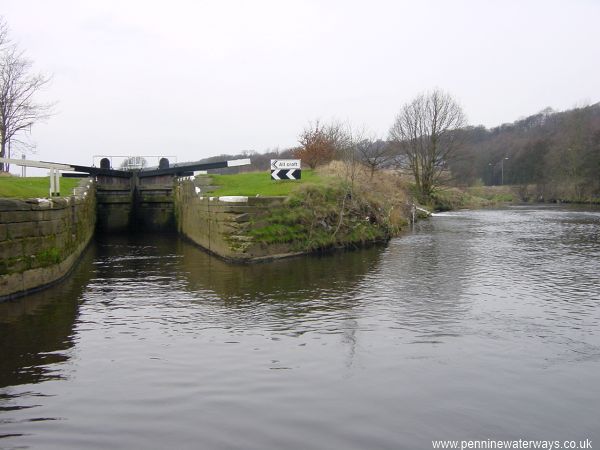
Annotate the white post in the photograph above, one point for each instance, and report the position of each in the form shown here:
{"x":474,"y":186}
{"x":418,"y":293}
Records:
{"x":51,"y":173}
{"x":54,"y":182}
{"x":502,"y":169}
{"x":23,"y":168}
{"x":57,"y":182}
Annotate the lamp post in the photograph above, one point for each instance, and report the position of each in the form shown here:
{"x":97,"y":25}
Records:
{"x":502,"y":170}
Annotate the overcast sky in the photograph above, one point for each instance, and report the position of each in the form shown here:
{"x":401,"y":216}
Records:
{"x":201,"y":78}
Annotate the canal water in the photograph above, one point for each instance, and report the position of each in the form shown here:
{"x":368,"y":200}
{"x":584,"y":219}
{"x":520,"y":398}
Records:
{"x":477,"y":325}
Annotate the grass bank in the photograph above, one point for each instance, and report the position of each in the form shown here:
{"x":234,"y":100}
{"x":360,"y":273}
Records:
{"x":33,"y":187}
{"x":260,"y":183}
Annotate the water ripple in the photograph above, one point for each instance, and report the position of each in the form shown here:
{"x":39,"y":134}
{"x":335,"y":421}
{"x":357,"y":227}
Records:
{"x":477,"y":324}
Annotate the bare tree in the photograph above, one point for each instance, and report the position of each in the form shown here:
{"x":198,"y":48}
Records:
{"x":3,"y":33}
{"x":18,"y":87}
{"x":320,"y":143}
{"x":348,"y":154}
{"x":375,"y":154}
{"x":424,"y":132}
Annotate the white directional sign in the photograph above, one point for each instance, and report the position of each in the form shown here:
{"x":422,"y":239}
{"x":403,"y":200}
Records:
{"x":285,"y":164}
{"x":286,"y":169}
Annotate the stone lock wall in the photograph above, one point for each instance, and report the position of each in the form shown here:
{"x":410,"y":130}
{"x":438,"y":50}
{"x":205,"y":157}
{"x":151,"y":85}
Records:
{"x":220,"y":224}
{"x":114,"y":199}
{"x":41,"y":239}
{"x":131,"y":204}
{"x":154,"y":210}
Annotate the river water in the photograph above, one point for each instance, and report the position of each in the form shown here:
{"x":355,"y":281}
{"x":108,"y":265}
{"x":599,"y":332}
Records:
{"x":476,"y":325}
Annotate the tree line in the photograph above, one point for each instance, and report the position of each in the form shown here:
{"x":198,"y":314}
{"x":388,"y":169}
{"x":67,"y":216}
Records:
{"x":550,"y":155}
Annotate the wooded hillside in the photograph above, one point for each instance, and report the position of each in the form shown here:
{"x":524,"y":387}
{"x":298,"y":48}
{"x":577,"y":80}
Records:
{"x":559,"y":152}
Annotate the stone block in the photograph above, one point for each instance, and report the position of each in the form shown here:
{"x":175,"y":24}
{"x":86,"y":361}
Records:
{"x":34,"y":245}
{"x":16,"y":216}
{"x":233,"y":209}
{"x":21,"y":230}
{"x":61,"y":240}
{"x":37,"y":204}
{"x":50,"y":227}
{"x":266,"y":201}
{"x":53,"y":214}
{"x":9,"y":204}
{"x":60,"y":202}
{"x":245,"y":217}
{"x":11,"y":249}
{"x":21,"y":264}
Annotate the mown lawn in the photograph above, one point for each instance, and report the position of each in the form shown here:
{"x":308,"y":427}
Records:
{"x":34,"y":187}
{"x":260,"y":183}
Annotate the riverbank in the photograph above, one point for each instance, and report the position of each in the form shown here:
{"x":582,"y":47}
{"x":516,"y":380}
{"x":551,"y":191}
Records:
{"x":335,"y":207}
{"x":474,"y":197}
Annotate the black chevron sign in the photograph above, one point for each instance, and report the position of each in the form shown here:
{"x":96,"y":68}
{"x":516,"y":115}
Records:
{"x":286,"y":174}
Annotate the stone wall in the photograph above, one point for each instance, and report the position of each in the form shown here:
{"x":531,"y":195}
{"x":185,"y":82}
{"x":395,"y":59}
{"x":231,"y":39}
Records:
{"x":41,"y":239}
{"x":220,"y":224}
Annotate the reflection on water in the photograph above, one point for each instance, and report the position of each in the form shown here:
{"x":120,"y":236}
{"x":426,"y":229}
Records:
{"x":478,"y":325}
{"x":38,"y":332}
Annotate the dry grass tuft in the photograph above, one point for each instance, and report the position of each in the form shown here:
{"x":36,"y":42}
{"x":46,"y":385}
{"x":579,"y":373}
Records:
{"x":386,"y":191}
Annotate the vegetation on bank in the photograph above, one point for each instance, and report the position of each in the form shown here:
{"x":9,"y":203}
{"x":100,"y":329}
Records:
{"x":451,"y":198}
{"x":33,"y":187}
{"x":344,"y":209}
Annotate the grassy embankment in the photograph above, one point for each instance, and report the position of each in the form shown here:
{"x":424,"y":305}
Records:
{"x":259,"y":183}
{"x":447,"y":199}
{"x":326,"y":209}
{"x":33,"y":187}
{"x":485,"y":196}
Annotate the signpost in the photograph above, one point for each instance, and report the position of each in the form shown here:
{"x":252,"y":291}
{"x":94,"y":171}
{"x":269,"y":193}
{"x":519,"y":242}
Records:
{"x":286,"y":169}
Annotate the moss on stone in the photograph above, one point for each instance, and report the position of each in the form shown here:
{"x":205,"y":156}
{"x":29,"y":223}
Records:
{"x":48,"y":257}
